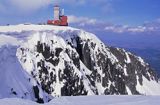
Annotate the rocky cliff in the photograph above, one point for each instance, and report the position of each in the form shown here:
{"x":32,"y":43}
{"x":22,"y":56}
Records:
{"x":65,"y":61}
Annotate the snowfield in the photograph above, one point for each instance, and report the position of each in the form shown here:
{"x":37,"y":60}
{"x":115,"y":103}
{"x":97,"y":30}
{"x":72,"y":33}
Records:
{"x":90,"y":100}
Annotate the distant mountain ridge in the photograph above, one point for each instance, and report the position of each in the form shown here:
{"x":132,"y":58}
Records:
{"x":64,"y":61}
{"x":151,"y":55}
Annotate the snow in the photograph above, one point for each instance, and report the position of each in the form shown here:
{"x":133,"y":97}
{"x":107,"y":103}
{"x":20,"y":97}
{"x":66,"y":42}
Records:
{"x":13,"y":77}
{"x":8,"y":40}
{"x":146,"y":87}
{"x":128,"y":91}
{"x":21,"y":64}
{"x":86,"y":81}
{"x":22,"y":27}
{"x":12,"y":74}
{"x":125,"y":70}
{"x":65,"y":32}
{"x":90,"y":100}
{"x":128,"y":60}
{"x":141,"y":60}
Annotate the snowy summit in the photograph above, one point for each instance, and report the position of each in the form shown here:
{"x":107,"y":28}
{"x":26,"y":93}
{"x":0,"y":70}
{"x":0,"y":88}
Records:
{"x":40,"y":62}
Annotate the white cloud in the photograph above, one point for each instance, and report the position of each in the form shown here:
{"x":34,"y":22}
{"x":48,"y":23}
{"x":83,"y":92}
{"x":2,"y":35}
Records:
{"x":22,"y":6}
{"x":94,"y":25}
{"x":116,"y":28}
{"x":29,"y":5}
{"x":81,"y":20}
{"x":137,"y":29}
{"x":33,"y":5}
{"x":81,"y":2}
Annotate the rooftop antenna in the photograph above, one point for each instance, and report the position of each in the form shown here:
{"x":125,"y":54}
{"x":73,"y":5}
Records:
{"x":62,"y":12}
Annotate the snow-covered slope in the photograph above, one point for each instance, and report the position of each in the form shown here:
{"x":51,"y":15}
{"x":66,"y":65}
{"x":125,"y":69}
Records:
{"x":14,"y":80}
{"x":90,"y":100}
{"x":47,"y":60}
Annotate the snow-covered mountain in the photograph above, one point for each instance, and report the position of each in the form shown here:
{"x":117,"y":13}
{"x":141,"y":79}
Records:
{"x":39,"y":62}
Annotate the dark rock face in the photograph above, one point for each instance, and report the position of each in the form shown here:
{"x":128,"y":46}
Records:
{"x":135,"y":68}
{"x":72,"y":82}
{"x":73,"y":85}
{"x":87,"y":67}
{"x":36,"y":92}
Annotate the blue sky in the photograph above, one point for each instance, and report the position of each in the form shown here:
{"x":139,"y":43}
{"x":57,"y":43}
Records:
{"x":101,"y":17}
{"x":120,"y":23}
{"x":122,"y":12}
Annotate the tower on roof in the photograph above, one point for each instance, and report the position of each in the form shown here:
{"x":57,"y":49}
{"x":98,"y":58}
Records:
{"x":56,"y":12}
